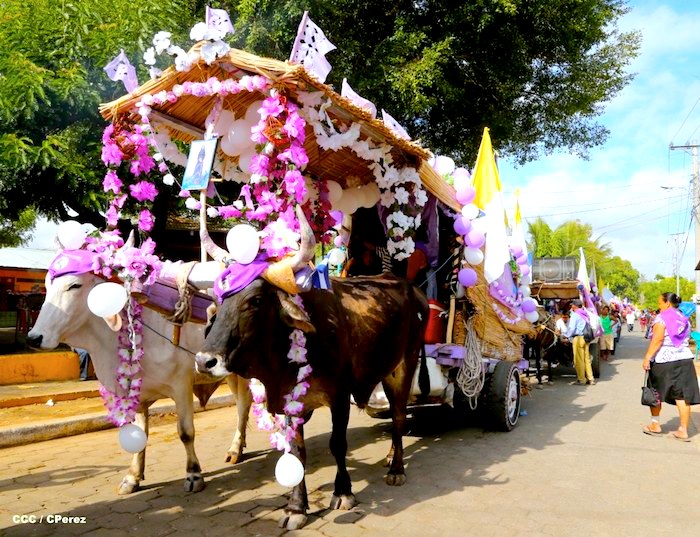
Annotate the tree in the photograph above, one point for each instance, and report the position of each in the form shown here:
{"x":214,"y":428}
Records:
{"x":621,"y":278}
{"x":651,"y":290}
{"x":51,"y":83}
{"x":537,"y":72}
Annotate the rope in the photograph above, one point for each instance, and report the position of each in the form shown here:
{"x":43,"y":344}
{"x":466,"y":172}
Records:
{"x":471,"y":374}
{"x":168,"y":339}
{"x":183,"y":308}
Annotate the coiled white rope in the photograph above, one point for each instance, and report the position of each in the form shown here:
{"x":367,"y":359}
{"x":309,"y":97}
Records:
{"x":471,"y":374}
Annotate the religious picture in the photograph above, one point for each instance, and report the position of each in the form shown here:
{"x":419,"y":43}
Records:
{"x":199,"y":164}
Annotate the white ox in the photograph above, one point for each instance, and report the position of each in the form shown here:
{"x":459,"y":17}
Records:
{"x":168,"y":370}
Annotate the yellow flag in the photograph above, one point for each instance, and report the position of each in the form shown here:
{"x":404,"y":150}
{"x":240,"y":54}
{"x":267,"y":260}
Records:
{"x":489,"y":199}
{"x":518,"y":215}
{"x":486,"y":180}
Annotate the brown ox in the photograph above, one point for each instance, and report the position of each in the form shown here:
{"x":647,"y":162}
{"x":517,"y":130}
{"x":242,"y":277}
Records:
{"x":365,"y":331}
{"x":168,"y":370}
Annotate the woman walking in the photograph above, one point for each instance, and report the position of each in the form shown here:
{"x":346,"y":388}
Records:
{"x":669,"y":361}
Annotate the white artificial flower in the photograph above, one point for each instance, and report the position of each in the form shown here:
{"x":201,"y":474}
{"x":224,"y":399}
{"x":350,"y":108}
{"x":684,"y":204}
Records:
{"x":191,"y":203}
{"x":417,"y":220}
{"x":157,"y":157}
{"x":387,"y":198}
{"x":421,"y":196}
{"x":174,"y":50}
{"x":154,"y":72}
{"x":199,"y":31}
{"x":149,"y":57}
{"x":255,"y":178}
{"x":183,"y":63}
{"x":401,"y":195}
{"x":168,"y":179}
{"x":213,"y":50}
{"x":238,"y":204}
{"x":161,"y":42}
{"x":212,"y":212}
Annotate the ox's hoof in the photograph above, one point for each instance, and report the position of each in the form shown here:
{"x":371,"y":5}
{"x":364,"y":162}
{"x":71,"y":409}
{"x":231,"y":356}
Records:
{"x":128,"y":485}
{"x":344,"y":502}
{"x":234,"y":457}
{"x":293,"y":521}
{"x":395,"y":480}
{"x":194,"y":483}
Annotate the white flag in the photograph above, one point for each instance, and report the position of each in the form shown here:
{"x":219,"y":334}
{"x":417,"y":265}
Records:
{"x":310,"y":49}
{"x":394,"y":125}
{"x":360,"y":102}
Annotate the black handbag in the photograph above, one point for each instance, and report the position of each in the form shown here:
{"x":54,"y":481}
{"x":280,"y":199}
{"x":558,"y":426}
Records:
{"x":588,"y":334}
{"x":650,"y":397}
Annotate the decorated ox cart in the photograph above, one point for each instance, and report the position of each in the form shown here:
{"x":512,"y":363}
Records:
{"x":309,"y":183}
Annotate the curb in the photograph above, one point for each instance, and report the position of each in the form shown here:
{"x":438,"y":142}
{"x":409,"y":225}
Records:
{"x":17,"y":436}
{"x":41,"y":399}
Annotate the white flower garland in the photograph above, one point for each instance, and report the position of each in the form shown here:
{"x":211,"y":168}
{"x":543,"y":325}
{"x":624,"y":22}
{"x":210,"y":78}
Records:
{"x":396,"y":185}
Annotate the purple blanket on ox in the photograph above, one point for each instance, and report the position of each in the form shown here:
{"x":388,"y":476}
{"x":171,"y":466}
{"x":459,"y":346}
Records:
{"x":162,"y":296}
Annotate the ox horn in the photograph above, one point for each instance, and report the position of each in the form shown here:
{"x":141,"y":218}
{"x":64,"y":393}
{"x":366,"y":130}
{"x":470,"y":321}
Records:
{"x":129,"y":243}
{"x":217,"y":252}
{"x":307,"y":247}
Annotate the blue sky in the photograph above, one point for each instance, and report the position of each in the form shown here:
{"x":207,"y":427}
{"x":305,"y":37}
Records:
{"x":618,"y":189}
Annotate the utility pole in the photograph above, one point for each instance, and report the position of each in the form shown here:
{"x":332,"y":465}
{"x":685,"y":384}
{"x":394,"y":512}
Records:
{"x":676,"y":237}
{"x":694,"y":214}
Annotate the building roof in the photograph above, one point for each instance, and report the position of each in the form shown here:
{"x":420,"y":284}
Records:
{"x":26,"y":258}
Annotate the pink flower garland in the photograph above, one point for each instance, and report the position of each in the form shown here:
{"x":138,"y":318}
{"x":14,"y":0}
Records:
{"x":121,"y":409}
{"x":283,"y":430}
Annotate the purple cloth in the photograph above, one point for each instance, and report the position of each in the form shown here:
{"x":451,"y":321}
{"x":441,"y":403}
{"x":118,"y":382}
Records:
{"x":506,"y":285}
{"x":71,"y":262}
{"x":677,"y":326}
{"x":121,"y":69}
{"x":581,"y":312}
{"x":237,"y":277}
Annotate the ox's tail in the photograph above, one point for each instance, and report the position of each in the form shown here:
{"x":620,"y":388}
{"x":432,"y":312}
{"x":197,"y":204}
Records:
{"x":423,"y":375}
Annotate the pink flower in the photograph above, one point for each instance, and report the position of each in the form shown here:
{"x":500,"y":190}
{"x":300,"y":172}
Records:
{"x":111,"y":154}
{"x":270,"y":107}
{"x":295,"y":185}
{"x":112,"y":216}
{"x":107,"y":133}
{"x":296,"y":154}
{"x":111,"y":182}
{"x":146,"y":220}
{"x":143,"y":190}
{"x":257,"y":133}
{"x":119,"y":202}
{"x":229,"y":211}
{"x":162,"y":167}
{"x":294,"y":126}
{"x":184,"y":193}
{"x":259,"y":165}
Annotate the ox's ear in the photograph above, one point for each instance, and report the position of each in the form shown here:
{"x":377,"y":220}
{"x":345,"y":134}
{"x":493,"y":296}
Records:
{"x":114,"y":322}
{"x":293,"y":315}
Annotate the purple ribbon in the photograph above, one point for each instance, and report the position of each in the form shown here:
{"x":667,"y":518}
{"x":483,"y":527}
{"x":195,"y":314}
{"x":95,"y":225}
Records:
{"x":677,"y":326}
{"x":237,"y":277}
{"x":71,"y":262}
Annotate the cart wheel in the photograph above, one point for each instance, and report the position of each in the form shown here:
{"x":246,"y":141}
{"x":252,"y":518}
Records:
{"x":594,"y":349}
{"x":502,"y":398}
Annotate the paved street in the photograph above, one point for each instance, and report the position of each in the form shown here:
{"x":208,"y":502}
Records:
{"x":577,"y":464}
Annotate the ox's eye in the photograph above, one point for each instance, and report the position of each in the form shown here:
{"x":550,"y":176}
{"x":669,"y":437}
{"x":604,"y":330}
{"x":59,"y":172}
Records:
{"x":254,"y":302}
{"x":75,"y":286}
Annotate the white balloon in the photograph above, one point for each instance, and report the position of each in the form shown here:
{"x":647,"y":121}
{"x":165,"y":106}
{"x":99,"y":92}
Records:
{"x":243,"y":243}
{"x":244,"y":161}
{"x":132,"y":438}
{"x":370,"y":195}
{"x":228,"y":147}
{"x":525,"y":290}
{"x":335,"y":191}
{"x":289,"y":471}
{"x":470,"y":211}
{"x":239,"y":136}
{"x":336,"y":256}
{"x":444,"y":165}
{"x":224,"y":122}
{"x":533,"y":316}
{"x":474,"y":256}
{"x":71,"y":234}
{"x":107,"y":299}
{"x":251,"y":115}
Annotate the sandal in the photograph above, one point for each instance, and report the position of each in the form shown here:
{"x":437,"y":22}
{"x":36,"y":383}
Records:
{"x":648,"y":431}
{"x":679,"y":438}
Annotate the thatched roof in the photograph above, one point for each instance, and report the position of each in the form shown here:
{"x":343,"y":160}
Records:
{"x":185,"y":118}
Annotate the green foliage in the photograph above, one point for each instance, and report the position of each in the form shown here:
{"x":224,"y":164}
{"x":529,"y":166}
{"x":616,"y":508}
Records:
{"x":51,"y":83}
{"x":651,"y":290}
{"x":537,"y":72}
{"x":14,"y":233}
{"x":618,"y":274}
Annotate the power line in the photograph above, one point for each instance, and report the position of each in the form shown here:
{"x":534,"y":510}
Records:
{"x":686,"y":118}
{"x":604,"y":208}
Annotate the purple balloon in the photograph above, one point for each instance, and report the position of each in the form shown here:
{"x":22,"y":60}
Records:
{"x":525,"y":270}
{"x":522,"y":260}
{"x":475,"y":238}
{"x":462,"y":225}
{"x":337,"y":216}
{"x":467,"y":277}
{"x":517,"y":251}
{"x":466,"y":195}
{"x":529,"y":305}
{"x":338,"y":241}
